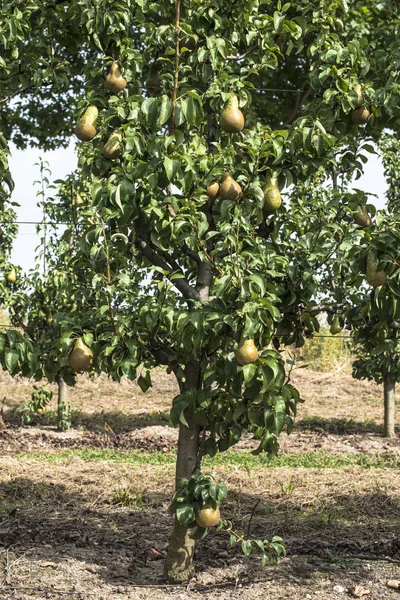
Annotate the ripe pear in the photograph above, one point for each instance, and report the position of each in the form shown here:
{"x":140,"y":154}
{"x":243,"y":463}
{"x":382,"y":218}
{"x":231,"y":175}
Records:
{"x":85,"y":129}
{"x":209,"y":515}
{"x":213,"y":190}
{"x":78,"y":201}
{"x":246,"y":352}
{"x":335,"y":326}
{"x":358,"y":91}
{"x":112,"y":147}
{"x":81,"y":357}
{"x":362,"y":218}
{"x":229,"y":189}
{"x":272,"y":195}
{"x":12,"y":275}
{"x":153,"y":81}
{"x":114,"y":80}
{"x":373,"y":276}
{"x":232,"y":119}
{"x":360,"y":116}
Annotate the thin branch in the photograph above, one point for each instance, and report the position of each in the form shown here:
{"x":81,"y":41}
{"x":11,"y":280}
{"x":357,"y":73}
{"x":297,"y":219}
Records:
{"x":182,"y":284}
{"x":301,"y":98}
{"x":176,"y":73}
{"x":318,"y":308}
{"x":241,"y":56}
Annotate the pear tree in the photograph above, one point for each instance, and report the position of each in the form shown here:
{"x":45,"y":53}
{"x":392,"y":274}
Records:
{"x":187,"y":249}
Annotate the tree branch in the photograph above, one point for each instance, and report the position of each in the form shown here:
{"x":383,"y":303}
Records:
{"x":318,"y":308}
{"x":203,"y":282}
{"x":182,"y":284}
{"x":241,"y":56}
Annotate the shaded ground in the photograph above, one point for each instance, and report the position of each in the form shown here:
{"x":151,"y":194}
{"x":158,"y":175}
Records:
{"x":98,"y":529}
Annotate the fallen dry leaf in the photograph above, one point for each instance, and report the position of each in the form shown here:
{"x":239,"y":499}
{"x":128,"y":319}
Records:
{"x":394,"y":584}
{"x":53,"y":565}
{"x":360,"y":591}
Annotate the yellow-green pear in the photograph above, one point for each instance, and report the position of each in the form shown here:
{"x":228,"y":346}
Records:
{"x":362,"y":218}
{"x":112,"y":147}
{"x":81,"y":357}
{"x":360,"y":116}
{"x":335,"y":327}
{"x":209,"y":515}
{"x":358,"y":90}
{"x":373,"y":276}
{"x":246,"y":352}
{"x":232,"y":119}
{"x":114,"y":80}
{"x":85,"y":129}
{"x":12,"y":275}
{"x":272,"y":195}
{"x":213,"y":190}
{"x":229,"y":189}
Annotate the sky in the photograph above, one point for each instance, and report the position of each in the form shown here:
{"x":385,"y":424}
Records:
{"x":63,"y":161}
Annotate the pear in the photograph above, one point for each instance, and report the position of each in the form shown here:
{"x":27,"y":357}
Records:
{"x":112,"y":147}
{"x":114,"y":80}
{"x":362,"y":218}
{"x":246,"y":352}
{"x":81,"y":357}
{"x":49,"y":319}
{"x":358,"y":91}
{"x":230,"y":189}
{"x":360,"y":116}
{"x":272,"y":195}
{"x":232,"y":119}
{"x":85,"y":129}
{"x":213,"y":190}
{"x":12,"y":276}
{"x":153,"y":81}
{"x":78,"y":201}
{"x":335,"y":326}
{"x":374,"y":277}
{"x":209,"y":515}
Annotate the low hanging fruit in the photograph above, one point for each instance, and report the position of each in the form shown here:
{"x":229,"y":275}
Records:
{"x":153,"y":81}
{"x":209,"y":515}
{"x":81,"y":357}
{"x":272,"y":195}
{"x":246,"y":352}
{"x":11,"y":276}
{"x":114,"y":80}
{"x":229,"y":189}
{"x":373,"y":276}
{"x":360,"y":116}
{"x":232,"y":119}
{"x":85,"y":129}
{"x":335,"y":327}
{"x":362,"y":218}
{"x":112,"y":147}
{"x":358,"y":91}
{"x":213,"y":190}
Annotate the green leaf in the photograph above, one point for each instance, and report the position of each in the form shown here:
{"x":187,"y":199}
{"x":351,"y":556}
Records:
{"x":11,"y":360}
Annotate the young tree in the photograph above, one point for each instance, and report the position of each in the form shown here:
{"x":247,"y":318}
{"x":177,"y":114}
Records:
{"x":191,"y":115}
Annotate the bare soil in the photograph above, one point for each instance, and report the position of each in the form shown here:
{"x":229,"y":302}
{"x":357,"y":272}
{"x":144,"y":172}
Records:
{"x":77,"y":529}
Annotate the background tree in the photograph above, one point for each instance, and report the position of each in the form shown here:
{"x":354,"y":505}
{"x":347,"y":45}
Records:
{"x":159,"y":272}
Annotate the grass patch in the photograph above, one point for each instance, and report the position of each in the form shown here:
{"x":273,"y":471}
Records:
{"x":311,"y":460}
{"x":338,"y":426}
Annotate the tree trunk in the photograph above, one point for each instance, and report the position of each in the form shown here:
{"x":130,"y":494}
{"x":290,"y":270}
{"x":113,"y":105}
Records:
{"x":389,"y":404}
{"x":179,"y":561}
{"x":61,"y":398}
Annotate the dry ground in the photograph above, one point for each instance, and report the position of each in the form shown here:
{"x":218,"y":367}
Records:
{"x":74,"y":526}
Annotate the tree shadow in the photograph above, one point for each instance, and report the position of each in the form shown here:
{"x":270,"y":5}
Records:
{"x":47,"y":522}
{"x":340,"y":426}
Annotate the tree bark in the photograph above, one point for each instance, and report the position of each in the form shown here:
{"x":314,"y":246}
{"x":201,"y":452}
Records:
{"x":179,"y":561}
{"x":62,"y":397}
{"x":389,"y":406}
